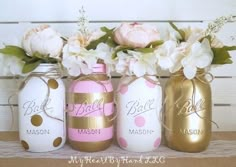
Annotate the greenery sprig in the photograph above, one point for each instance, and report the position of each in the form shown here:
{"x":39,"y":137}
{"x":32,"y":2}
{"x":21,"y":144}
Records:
{"x":221,"y":54}
{"x":30,"y":63}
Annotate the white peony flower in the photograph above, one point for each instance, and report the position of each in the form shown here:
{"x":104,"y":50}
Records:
{"x":43,"y":40}
{"x":200,"y":56}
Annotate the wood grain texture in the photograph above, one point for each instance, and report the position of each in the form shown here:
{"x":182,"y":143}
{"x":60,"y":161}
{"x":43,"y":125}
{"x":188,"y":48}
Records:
{"x":170,"y":162}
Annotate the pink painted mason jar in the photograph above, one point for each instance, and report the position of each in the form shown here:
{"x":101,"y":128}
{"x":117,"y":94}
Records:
{"x":91,"y":111}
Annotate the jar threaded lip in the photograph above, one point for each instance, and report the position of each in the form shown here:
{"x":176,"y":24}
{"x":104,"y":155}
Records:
{"x":99,"y":68}
{"x":181,"y":72}
{"x":47,"y":68}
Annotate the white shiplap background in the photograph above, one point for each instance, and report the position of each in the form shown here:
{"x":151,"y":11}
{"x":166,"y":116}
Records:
{"x":18,"y":15}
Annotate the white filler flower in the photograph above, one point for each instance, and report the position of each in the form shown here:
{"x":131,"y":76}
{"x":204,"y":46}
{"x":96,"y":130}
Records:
{"x":200,"y":56}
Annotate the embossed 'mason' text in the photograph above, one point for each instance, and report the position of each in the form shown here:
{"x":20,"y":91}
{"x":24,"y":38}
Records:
{"x":191,"y":131}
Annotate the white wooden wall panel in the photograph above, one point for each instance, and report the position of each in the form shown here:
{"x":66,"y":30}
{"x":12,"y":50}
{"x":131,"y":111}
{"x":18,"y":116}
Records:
{"x":18,"y":15}
{"x":115,"y":10}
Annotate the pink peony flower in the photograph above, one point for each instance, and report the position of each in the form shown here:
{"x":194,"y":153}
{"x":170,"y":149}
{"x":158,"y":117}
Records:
{"x":135,"y":35}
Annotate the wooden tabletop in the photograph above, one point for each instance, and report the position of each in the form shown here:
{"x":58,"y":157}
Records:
{"x":201,"y":161}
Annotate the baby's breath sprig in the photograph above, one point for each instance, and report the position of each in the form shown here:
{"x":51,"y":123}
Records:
{"x":216,"y":25}
{"x":83,"y":22}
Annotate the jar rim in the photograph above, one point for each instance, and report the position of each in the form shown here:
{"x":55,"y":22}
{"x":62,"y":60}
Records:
{"x":45,"y":67}
{"x":181,"y":71}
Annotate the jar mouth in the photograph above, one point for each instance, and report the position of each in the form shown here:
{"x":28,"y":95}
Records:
{"x":99,"y":68}
{"x":46,"y":68}
{"x":181,"y":72}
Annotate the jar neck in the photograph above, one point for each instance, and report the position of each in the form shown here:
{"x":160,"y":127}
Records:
{"x":47,"y":69}
{"x":99,"y":68}
{"x":181,"y":72}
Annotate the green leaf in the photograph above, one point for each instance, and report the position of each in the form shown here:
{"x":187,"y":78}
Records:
{"x":28,"y":67}
{"x":121,"y":48}
{"x":145,"y":50}
{"x":31,"y":60}
{"x":14,"y":51}
{"x":221,"y":56}
{"x":181,"y":32}
{"x":110,"y":42}
{"x":44,"y":58}
{"x":95,"y":43}
{"x":155,"y":44}
{"x":230,"y":48}
{"x":107,"y":30}
{"x":64,"y":38}
{"x":107,"y":38}
{"x":206,"y":37}
{"x":39,"y":55}
{"x":50,"y":60}
{"x":228,"y":61}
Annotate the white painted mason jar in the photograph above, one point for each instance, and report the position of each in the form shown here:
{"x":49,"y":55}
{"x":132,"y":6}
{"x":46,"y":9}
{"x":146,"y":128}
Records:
{"x":41,"y":100}
{"x":138,"y":107}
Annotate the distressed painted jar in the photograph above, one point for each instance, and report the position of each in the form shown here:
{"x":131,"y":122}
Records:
{"x":138,"y":113}
{"x":42,"y":110}
{"x":91,"y":111}
{"x":188,"y":112}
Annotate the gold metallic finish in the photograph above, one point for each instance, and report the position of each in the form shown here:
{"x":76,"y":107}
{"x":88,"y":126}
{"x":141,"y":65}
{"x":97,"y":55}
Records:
{"x":57,"y":142}
{"x":97,"y":77}
{"x":25,"y":144}
{"x":90,"y":122}
{"x":90,"y":98}
{"x":90,"y":146}
{"x":36,"y":120}
{"x":188,"y":109}
{"x":52,"y":83}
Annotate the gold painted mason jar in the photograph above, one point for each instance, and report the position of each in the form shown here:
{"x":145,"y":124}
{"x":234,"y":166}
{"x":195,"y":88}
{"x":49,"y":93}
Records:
{"x":188,"y":112}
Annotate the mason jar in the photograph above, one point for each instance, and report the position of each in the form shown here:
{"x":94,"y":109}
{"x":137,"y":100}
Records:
{"x":139,"y":102}
{"x":188,"y":112}
{"x":41,"y":100}
{"x":91,"y":111}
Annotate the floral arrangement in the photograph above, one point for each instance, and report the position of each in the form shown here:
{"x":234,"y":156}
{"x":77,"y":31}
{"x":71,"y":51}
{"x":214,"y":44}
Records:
{"x":86,"y":48}
{"x":135,"y":51}
{"x":131,"y":49}
{"x":79,"y":57}
{"x":39,"y":45}
{"x":134,"y":48}
{"x":194,"y":48}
